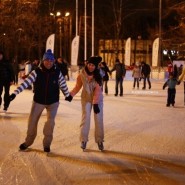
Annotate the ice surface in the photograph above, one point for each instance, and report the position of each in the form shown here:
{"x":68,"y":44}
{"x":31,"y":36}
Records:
{"x":144,"y":142}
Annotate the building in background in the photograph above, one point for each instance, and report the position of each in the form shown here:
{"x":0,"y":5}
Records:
{"x":141,"y":50}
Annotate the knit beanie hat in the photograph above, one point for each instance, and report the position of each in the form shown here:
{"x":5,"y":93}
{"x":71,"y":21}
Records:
{"x":48,"y":55}
{"x":95,"y":60}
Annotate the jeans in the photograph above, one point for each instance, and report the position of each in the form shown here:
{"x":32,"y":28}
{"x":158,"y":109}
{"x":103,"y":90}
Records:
{"x":119,"y":84}
{"x":136,"y":80}
{"x":148,"y":80}
{"x":105,"y":86}
{"x":171,"y":96}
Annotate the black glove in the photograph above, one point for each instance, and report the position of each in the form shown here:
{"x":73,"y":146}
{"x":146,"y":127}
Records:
{"x":69,"y":98}
{"x":12,"y":96}
{"x":96,"y":108}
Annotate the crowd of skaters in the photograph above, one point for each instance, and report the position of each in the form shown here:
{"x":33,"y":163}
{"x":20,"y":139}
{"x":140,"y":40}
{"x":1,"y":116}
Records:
{"x":23,"y":69}
{"x":141,"y":71}
{"x":93,"y":79}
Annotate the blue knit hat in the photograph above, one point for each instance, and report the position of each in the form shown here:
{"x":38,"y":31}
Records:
{"x":48,"y":55}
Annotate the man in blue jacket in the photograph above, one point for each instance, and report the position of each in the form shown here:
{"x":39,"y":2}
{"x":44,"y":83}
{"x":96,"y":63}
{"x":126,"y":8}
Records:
{"x":48,"y":80}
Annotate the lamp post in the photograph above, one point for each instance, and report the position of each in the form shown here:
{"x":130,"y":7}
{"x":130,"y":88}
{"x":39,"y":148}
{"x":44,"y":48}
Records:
{"x":61,"y":27}
{"x":92,"y":28}
{"x":59,"y":21}
{"x":160,"y":38}
{"x":85,"y":34}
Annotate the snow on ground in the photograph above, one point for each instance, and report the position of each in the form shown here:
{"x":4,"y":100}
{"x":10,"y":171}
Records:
{"x":144,"y":142}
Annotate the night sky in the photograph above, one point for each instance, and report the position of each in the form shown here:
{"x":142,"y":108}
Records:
{"x":138,"y":15}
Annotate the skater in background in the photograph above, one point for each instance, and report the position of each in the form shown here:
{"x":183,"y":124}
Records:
{"x":180,"y":70}
{"x":120,"y":75}
{"x":136,"y":74}
{"x":145,"y":73}
{"x":6,"y":80}
{"x":63,"y":66}
{"x":35,"y":64}
{"x":15,"y":67}
{"x":106,"y":70}
{"x":182,"y":78}
{"x":170,"y":67}
{"x":171,"y":84}
{"x":90,"y":81}
{"x":48,"y":81}
{"x":175,"y":71}
{"x":21,"y":69}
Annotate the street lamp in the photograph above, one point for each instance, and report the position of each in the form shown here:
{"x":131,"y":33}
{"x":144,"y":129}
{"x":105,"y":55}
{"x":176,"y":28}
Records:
{"x":61,"y":23}
{"x":160,"y":39}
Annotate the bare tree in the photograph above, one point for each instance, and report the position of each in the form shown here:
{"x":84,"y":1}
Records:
{"x":173,"y":34}
{"x":22,"y":22}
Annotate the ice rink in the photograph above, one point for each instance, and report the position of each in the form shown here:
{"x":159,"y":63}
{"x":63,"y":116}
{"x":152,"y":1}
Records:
{"x":144,"y":142}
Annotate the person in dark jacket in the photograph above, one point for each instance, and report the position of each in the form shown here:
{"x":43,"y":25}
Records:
{"x":145,"y":72}
{"x":6,"y":80}
{"x":106,"y":71}
{"x":63,"y":66}
{"x":175,"y":71}
{"x":48,"y":81}
{"x":15,"y":67}
{"x":171,"y":84}
{"x":120,"y":74}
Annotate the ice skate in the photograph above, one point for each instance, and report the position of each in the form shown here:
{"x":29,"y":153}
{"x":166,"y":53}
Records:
{"x":5,"y":109}
{"x":47,"y":149}
{"x":23,"y":146}
{"x":83,"y":145}
{"x":100,"y":146}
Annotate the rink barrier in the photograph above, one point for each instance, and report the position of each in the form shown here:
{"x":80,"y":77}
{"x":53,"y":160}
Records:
{"x":154,"y":75}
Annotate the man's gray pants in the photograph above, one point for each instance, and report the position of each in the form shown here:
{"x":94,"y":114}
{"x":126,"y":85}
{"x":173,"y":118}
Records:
{"x":36,"y":111}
